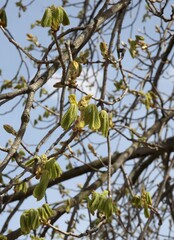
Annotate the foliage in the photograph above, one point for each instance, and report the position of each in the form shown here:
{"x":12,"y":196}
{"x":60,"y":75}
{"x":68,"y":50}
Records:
{"x":87,"y":128}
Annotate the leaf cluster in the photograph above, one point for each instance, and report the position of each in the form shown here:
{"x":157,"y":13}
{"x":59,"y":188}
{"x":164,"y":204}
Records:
{"x":103,"y":204}
{"x":89,"y":116}
{"x":45,"y":170}
{"x":144,"y":201}
{"x":53,"y":17}
{"x":135,"y":44}
{"x":32,"y":218}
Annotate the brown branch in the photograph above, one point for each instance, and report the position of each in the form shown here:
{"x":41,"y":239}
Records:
{"x":165,"y":146}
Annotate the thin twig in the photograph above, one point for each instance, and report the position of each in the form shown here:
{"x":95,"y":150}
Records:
{"x":109,"y":165}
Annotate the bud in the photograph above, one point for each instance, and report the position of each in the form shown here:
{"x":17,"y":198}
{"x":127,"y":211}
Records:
{"x":9,"y":129}
{"x":3,"y":18}
{"x":103,"y":48}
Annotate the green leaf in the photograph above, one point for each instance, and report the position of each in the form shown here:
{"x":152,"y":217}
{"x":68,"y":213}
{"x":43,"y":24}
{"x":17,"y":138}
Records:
{"x":104,"y":119}
{"x":91,"y":117}
{"x":72,"y":99}
{"x":146,"y":210}
{"x":57,"y":17}
{"x":83,"y":103}
{"x":47,"y":18}
{"x":40,"y":189}
{"x":53,"y":168}
{"x":69,"y":117}
{"x":68,"y":205}
{"x":66,"y":20}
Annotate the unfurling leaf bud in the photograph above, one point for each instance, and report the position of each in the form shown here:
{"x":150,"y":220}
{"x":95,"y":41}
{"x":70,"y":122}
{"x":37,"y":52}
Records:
{"x":29,"y":220}
{"x":104,"y":119}
{"x":69,"y":117}
{"x":45,"y":212}
{"x":21,"y":187}
{"x":53,"y":168}
{"x":65,"y":18}
{"x":83,"y":103}
{"x":103,"y":49}
{"x":53,"y":17}
{"x":74,"y":70}
{"x":47,"y":18}
{"x":148,"y":198}
{"x":72,"y":99}
{"x":146,"y":210}
{"x":91,"y":117}
{"x":39,"y":190}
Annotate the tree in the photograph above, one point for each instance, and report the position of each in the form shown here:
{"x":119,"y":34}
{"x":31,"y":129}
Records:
{"x":87,"y":121}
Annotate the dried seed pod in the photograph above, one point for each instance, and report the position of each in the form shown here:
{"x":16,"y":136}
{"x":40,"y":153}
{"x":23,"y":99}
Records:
{"x":92,"y":149}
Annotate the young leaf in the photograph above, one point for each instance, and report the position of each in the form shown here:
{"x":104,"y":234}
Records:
{"x":104,"y":119}
{"x":57,"y":17}
{"x":48,"y":210}
{"x":47,"y":18}
{"x":146,"y":210}
{"x":53,"y":168}
{"x":66,"y":20}
{"x":91,"y":117}
{"x":83,"y":103}
{"x":72,"y":99}
{"x":39,"y":190}
{"x":69,"y":117}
